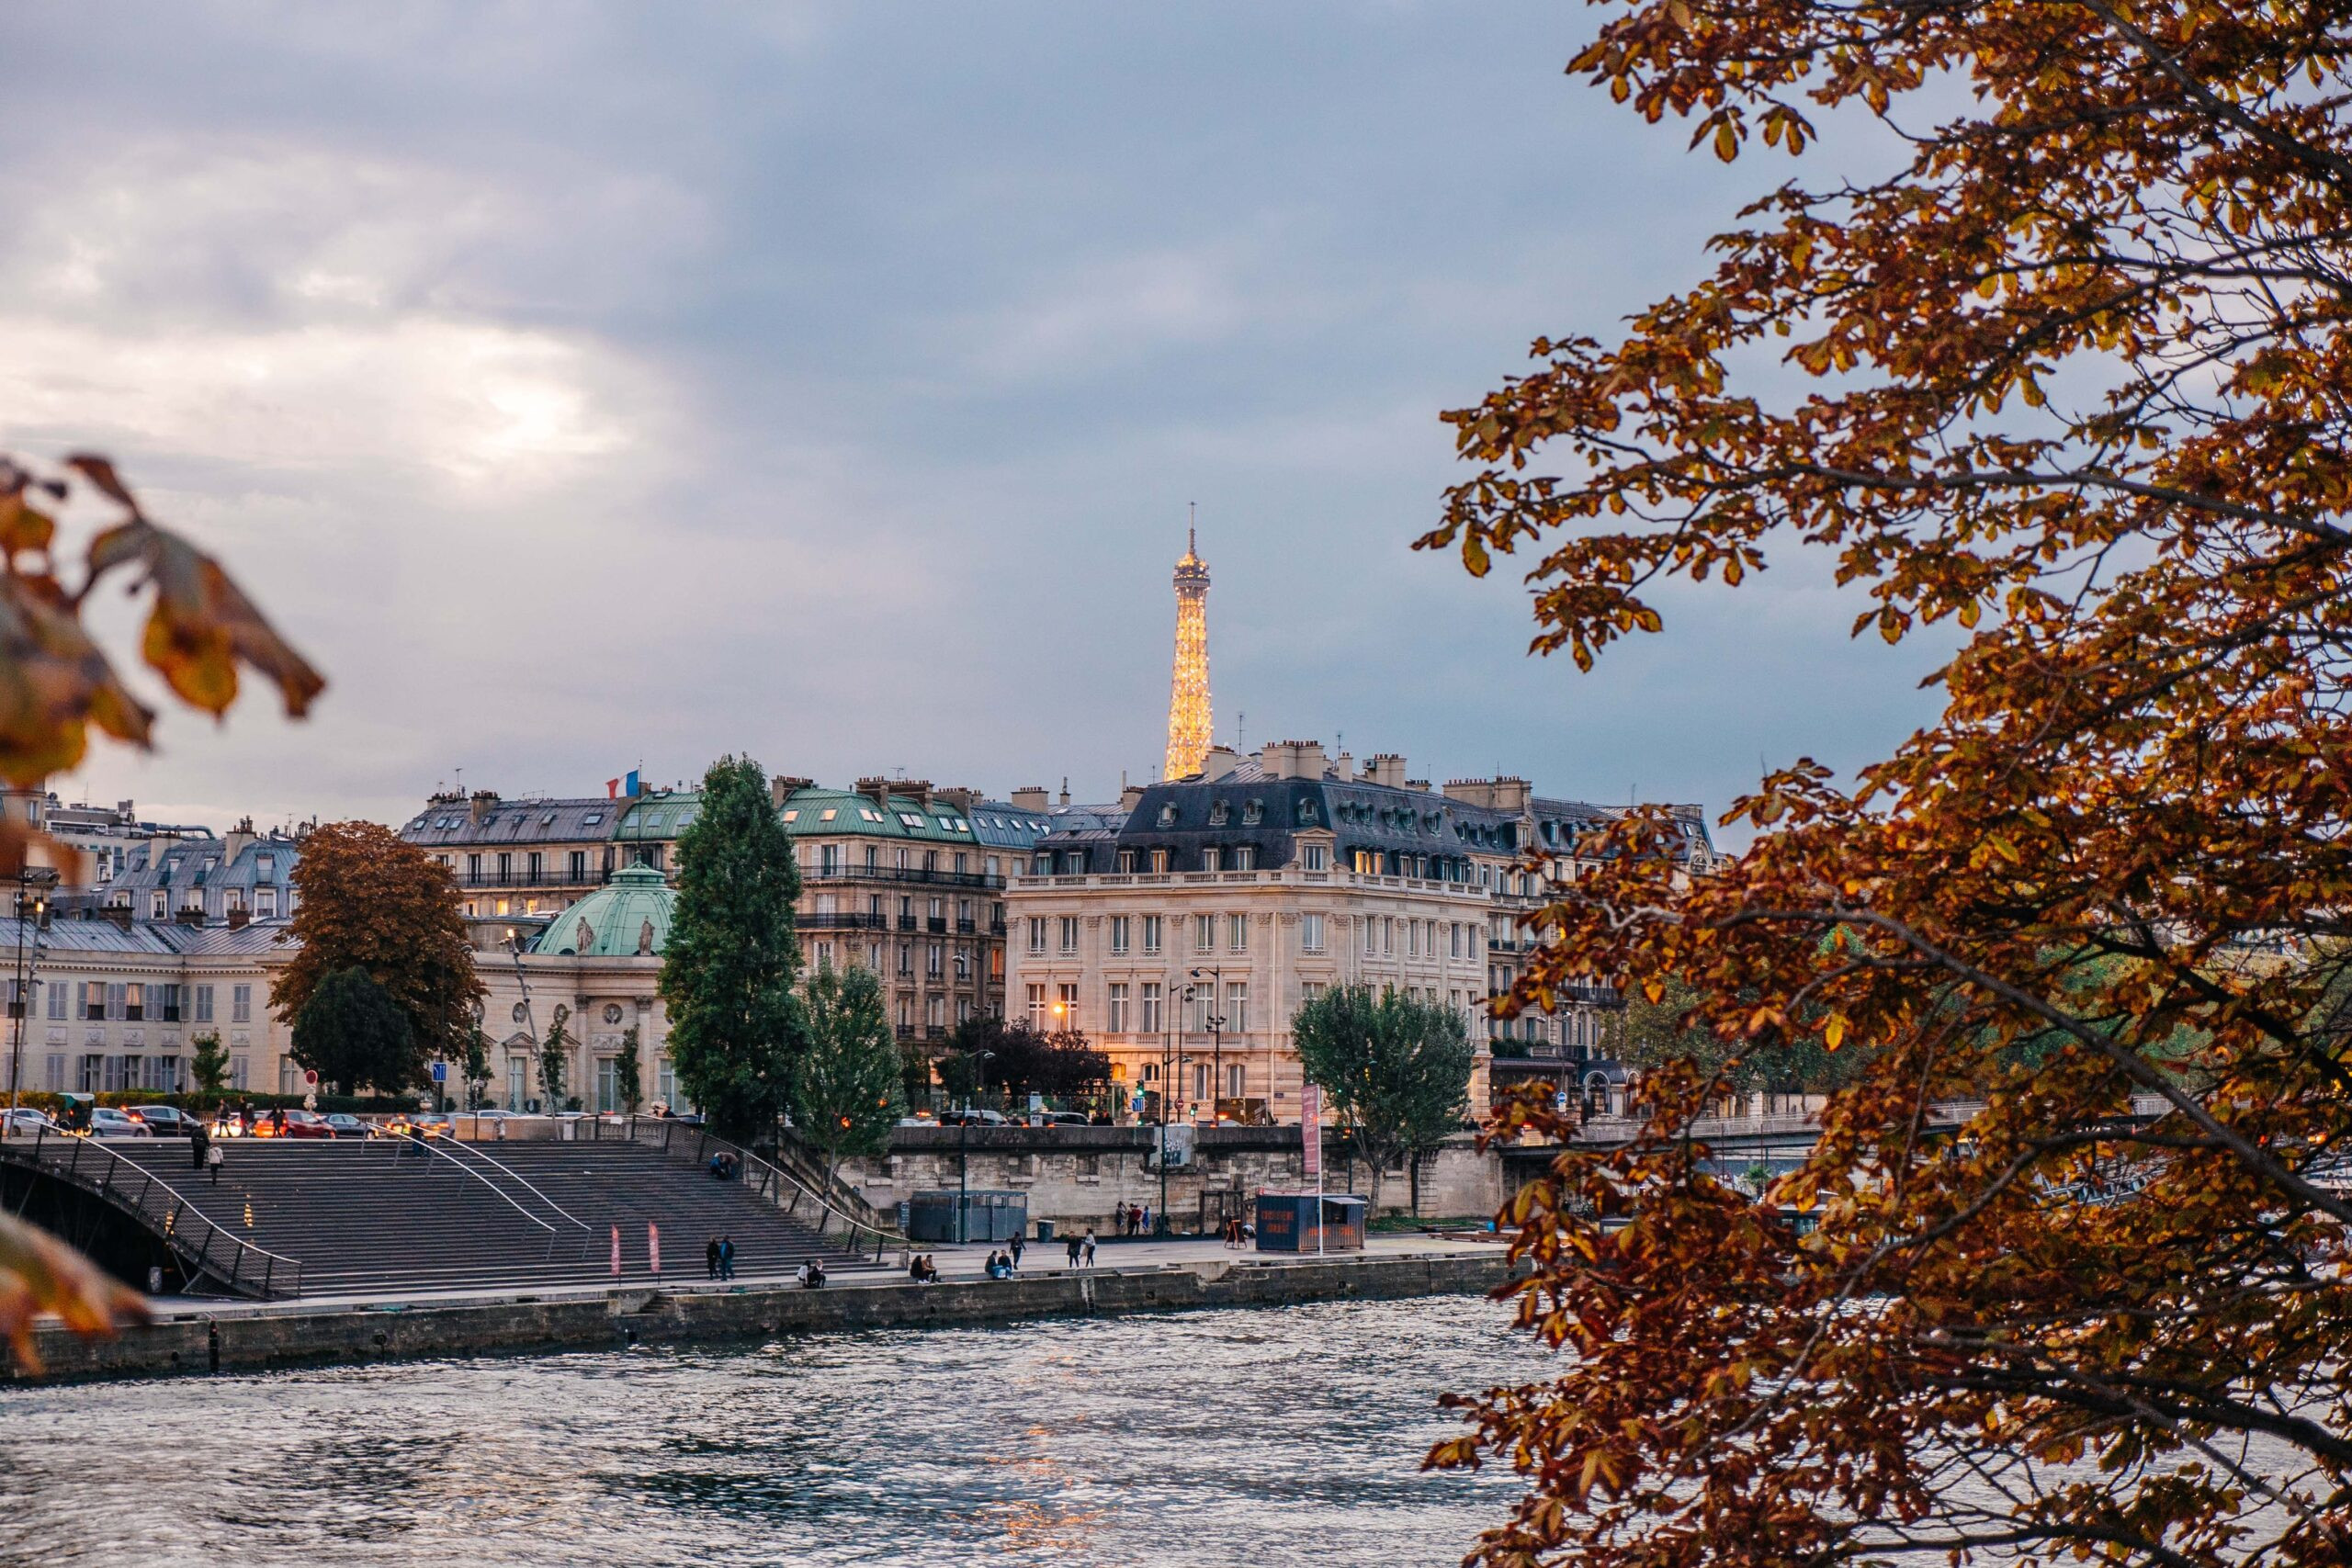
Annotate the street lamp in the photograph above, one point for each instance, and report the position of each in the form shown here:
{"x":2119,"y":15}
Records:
{"x":1217,"y":1039}
{"x":963,"y":1154}
{"x":34,"y":905}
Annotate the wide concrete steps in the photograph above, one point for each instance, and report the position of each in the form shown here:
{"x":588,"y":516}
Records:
{"x":368,"y":1216}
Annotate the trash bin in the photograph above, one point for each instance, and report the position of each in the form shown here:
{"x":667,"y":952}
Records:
{"x":1044,"y":1230}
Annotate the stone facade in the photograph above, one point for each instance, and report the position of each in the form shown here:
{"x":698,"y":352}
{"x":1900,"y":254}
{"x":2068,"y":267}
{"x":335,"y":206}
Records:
{"x":1183,"y":930}
{"x":1080,"y":1175}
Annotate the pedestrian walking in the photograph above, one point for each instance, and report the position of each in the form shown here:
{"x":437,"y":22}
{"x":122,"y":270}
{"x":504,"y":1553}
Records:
{"x":727,"y":1258}
{"x":1072,"y":1249}
{"x":1019,"y":1246}
{"x":212,"y":1158}
{"x":198,"y":1142}
{"x":1089,"y":1246}
{"x":1146,"y":1222}
{"x":710,"y":1258}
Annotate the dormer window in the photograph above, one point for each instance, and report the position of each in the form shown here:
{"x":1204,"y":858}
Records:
{"x":1305,"y":812}
{"x":1254,"y":812}
{"x":1167,"y":814}
{"x":1218,"y":813}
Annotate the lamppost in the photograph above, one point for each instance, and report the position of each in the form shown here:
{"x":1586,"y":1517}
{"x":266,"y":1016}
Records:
{"x":963,"y":1155}
{"x":34,"y":905}
{"x":1216,"y":1022}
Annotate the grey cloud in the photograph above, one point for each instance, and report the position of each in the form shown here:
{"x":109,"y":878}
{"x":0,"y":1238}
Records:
{"x":582,"y":384}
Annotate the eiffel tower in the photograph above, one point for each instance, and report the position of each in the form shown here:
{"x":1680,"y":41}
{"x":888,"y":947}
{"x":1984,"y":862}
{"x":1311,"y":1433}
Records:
{"x":1189,"y":729}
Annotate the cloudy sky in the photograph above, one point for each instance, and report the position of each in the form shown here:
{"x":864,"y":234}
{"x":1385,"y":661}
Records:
{"x":584,"y":385}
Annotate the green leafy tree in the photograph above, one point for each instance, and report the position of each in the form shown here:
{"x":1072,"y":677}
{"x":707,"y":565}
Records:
{"x":352,"y":1032}
{"x":732,"y":960}
{"x":626,"y":1068}
{"x":555,"y":1054}
{"x":210,"y":1063}
{"x":1395,"y":1069}
{"x":846,"y":1094}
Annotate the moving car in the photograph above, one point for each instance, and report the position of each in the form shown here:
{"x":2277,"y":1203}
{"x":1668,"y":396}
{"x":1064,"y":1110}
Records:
{"x":342,"y":1124}
{"x":25,"y":1121}
{"x":971,"y":1118}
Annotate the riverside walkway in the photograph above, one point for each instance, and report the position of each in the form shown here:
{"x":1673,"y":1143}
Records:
{"x":197,"y":1335}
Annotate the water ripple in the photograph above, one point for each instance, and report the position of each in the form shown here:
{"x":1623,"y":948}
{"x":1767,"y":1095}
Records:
{"x":1268,"y":1438}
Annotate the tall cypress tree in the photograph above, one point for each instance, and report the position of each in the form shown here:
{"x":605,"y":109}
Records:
{"x":732,"y":960}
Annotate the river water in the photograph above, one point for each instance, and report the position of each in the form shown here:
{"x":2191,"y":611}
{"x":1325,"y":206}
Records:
{"x":1288,"y":1434}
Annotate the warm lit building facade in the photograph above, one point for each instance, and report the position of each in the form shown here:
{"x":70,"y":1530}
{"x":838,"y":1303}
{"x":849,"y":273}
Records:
{"x":1183,"y":930}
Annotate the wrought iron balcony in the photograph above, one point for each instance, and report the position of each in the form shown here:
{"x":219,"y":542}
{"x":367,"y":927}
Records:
{"x":840,"y":872}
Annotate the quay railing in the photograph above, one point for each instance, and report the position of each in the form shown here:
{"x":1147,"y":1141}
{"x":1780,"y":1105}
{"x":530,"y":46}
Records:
{"x":204,"y":1247}
{"x":695,"y":1145}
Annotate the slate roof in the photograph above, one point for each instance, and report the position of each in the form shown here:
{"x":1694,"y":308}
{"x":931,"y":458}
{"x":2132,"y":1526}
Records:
{"x":450,"y":824}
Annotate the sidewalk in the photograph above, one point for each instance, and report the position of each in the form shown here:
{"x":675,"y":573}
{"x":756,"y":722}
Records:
{"x":966,"y":1262}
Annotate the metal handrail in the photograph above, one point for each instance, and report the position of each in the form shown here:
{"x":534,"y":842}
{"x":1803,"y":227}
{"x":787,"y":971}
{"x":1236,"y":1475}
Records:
{"x":771,"y":1180}
{"x":169,"y":1222}
{"x":428,"y":1144}
{"x":521,"y":1181}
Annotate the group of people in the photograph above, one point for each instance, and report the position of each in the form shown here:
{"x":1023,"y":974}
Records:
{"x":1000,"y":1265}
{"x":244,"y":1118}
{"x":811,"y":1275}
{"x":718,"y":1258}
{"x":205,"y":1154}
{"x":1080,"y":1249}
{"x":1133,"y":1219}
{"x":723,"y":1167}
{"x":923,"y":1268}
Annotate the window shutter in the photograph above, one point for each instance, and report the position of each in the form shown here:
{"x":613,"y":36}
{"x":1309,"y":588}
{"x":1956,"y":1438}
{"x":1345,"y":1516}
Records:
{"x":114,"y":1000}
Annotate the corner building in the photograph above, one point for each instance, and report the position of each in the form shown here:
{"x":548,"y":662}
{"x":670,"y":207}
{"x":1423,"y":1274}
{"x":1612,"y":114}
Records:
{"x":1184,"y":929}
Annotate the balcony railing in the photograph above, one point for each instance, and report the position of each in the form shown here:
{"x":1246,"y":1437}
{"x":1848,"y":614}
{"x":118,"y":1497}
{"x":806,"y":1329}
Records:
{"x":936,"y":923}
{"x":823,"y":873}
{"x":842,"y":920}
{"x":591,"y":876}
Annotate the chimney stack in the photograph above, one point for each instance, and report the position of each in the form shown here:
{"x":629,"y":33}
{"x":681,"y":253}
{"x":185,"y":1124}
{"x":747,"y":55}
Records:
{"x":485,"y":801}
{"x":1030,"y":797}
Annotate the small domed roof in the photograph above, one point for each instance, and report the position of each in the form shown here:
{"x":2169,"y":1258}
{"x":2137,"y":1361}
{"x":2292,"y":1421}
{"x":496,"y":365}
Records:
{"x":627,"y":918}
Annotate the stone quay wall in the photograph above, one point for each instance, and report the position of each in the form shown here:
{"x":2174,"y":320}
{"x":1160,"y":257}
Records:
{"x":293,"y":1335}
{"x":1079,"y":1175}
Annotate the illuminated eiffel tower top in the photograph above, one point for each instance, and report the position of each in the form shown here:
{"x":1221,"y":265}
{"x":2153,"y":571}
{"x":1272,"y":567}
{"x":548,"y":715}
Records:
{"x":1189,"y":729}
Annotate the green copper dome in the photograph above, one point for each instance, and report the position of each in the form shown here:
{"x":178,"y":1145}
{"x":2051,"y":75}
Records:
{"x":627,"y":918}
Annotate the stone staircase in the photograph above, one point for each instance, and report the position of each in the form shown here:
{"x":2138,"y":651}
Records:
{"x":385,"y":1214}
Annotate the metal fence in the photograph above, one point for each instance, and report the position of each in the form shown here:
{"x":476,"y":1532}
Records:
{"x":208,"y":1250}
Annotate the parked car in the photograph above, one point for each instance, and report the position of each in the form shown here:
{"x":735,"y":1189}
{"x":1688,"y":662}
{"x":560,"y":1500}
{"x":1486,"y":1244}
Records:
{"x":105,"y":1122}
{"x":342,"y":1124}
{"x":969,"y":1117}
{"x":1057,"y":1119}
{"x":24,"y":1122}
{"x":164,"y":1121}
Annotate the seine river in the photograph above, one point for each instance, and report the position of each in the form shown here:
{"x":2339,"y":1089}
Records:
{"x":1283,"y":1435}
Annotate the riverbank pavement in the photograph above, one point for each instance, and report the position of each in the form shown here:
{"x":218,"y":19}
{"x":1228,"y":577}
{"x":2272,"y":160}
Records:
{"x":966,"y":1262}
